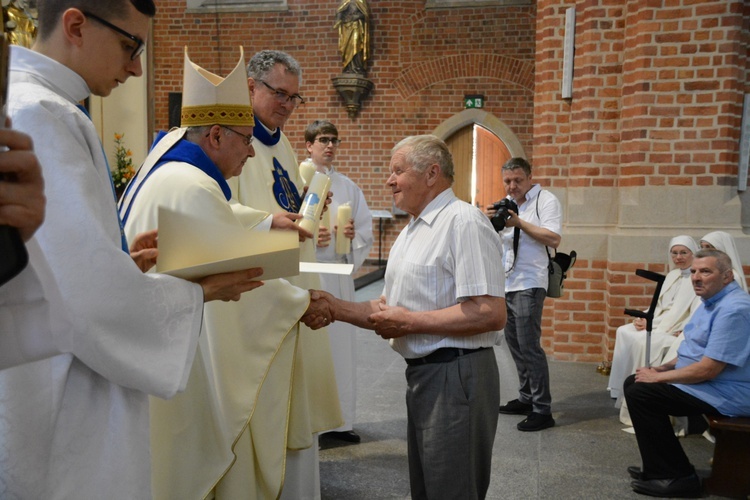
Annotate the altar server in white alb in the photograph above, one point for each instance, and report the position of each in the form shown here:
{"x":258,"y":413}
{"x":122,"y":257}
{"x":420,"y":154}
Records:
{"x":76,"y":425}
{"x":322,"y":142}
{"x":31,"y":312}
{"x":235,"y":409}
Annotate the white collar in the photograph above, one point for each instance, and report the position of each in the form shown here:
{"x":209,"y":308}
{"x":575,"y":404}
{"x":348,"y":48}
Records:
{"x":53,"y":74}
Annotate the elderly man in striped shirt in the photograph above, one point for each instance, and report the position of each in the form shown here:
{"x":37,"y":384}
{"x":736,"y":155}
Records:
{"x":442,"y":307}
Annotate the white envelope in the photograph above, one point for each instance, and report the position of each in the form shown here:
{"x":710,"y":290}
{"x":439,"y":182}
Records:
{"x":191,"y":248}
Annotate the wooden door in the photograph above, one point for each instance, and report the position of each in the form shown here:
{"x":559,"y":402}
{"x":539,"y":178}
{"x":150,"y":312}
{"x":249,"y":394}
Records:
{"x":491,"y":154}
{"x":461,"y":145}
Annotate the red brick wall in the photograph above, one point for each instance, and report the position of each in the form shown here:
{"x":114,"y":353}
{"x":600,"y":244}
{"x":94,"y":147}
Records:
{"x":423,"y":63}
{"x":657,"y":101}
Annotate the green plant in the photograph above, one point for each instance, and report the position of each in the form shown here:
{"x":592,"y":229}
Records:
{"x":124,"y":170}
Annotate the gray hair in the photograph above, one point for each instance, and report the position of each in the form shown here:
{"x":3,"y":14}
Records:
{"x":518,"y":162}
{"x":723,"y":262}
{"x":194,"y":134}
{"x":264,"y":61}
{"x":426,"y":150}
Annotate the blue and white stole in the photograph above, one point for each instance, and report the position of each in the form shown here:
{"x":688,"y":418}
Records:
{"x":170,"y":147}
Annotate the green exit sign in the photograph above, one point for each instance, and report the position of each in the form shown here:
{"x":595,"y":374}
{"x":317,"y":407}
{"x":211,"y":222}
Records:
{"x":473,"y":101}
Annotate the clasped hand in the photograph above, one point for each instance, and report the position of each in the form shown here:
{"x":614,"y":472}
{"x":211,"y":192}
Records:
{"x":390,"y":322}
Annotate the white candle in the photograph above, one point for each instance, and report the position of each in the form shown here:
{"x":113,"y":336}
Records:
{"x":314,"y":201}
{"x":306,"y":171}
{"x":343,"y":244}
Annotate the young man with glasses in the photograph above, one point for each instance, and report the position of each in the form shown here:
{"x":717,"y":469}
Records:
{"x":76,"y":425}
{"x":271,"y":182}
{"x":322,"y":142}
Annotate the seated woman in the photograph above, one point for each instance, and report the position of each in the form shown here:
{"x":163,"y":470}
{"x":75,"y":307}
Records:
{"x":724,"y":242}
{"x":676,"y":303}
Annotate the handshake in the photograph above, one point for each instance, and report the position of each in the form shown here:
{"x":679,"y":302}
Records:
{"x":387,"y":321}
{"x":320,"y":312}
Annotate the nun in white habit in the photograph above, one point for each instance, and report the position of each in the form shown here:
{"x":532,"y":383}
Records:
{"x":724,"y":242}
{"x":677,"y":301}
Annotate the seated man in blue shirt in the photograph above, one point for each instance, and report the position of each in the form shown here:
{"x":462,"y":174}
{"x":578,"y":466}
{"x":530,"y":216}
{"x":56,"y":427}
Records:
{"x":711,"y":375}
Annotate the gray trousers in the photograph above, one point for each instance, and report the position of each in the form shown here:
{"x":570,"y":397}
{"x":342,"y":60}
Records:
{"x":452,"y":419}
{"x":523,"y":331}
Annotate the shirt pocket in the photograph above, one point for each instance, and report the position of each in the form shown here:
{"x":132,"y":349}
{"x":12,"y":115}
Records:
{"x":416,"y":287}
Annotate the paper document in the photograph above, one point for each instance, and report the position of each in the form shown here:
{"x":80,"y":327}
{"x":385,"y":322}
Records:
{"x":325,"y":268}
{"x":191,"y":247}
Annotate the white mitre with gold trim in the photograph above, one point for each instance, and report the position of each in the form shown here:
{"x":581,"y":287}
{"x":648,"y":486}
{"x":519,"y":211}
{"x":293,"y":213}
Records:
{"x":208,"y":99}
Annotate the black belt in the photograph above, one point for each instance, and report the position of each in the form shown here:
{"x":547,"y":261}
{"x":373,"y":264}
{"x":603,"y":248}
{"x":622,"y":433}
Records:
{"x":442,"y":355}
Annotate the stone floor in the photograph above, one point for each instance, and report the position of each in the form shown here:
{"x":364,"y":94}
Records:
{"x":584,"y":456}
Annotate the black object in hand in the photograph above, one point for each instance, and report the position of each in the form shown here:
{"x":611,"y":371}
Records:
{"x":13,"y":255}
{"x":501,"y":214}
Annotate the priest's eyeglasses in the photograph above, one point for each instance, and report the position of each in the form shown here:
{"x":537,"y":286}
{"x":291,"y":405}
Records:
{"x":247,"y":139}
{"x":284,"y":97}
{"x":326,"y":140}
{"x":140,"y":45}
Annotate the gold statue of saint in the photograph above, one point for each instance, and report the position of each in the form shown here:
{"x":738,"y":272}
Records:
{"x":353,"y":23}
{"x":19,"y":25}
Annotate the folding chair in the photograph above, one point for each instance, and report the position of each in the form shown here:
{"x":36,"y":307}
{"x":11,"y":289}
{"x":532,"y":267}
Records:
{"x":648,"y":315}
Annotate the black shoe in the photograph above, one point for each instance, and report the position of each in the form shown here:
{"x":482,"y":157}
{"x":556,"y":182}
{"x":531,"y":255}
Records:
{"x":536,"y":422}
{"x":516,"y":407}
{"x":681,"y":487}
{"x":348,"y":436}
{"x":636,"y":473}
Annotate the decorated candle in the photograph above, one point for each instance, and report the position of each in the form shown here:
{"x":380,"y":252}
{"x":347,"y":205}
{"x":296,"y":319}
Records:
{"x":315,"y":199}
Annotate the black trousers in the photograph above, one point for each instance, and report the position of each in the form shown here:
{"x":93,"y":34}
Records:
{"x":650,"y":405}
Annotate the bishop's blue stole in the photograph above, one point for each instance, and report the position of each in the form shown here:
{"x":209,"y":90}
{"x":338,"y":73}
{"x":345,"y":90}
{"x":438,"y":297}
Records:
{"x":185,"y":152}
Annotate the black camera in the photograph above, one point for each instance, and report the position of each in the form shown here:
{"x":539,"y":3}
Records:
{"x":501,"y":214}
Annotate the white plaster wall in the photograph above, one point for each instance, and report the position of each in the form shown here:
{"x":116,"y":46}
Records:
{"x":124,"y":111}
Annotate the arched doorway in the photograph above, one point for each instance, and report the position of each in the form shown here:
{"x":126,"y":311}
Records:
{"x":480,"y":144}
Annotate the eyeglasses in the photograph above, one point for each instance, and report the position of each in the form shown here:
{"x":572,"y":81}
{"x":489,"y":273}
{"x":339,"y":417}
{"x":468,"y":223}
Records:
{"x":140,"y":45}
{"x":247,"y":139}
{"x":284,"y":97}
{"x":325,"y":140}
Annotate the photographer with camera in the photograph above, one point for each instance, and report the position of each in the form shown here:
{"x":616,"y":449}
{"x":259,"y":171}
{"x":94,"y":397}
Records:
{"x":528,"y":220}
